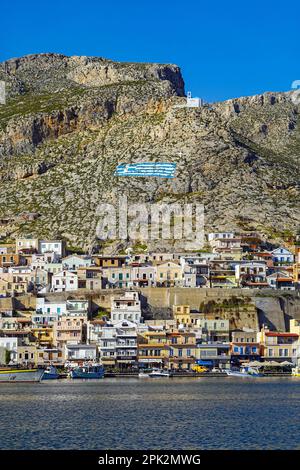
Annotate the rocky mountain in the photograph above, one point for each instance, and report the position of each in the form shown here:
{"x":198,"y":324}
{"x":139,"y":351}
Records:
{"x":69,"y":121}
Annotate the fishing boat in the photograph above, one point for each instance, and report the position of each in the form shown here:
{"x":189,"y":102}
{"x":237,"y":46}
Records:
{"x":155,"y":373}
{"x":21,"y":375}
{"x":95,"y":371}
{"x":244,"y":372}
{"x":50,"y":373}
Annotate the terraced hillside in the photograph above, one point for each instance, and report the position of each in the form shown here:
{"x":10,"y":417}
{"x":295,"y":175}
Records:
{"x":69,"y":121}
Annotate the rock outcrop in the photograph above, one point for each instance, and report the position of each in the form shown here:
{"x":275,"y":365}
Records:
{"x":69,"y":121}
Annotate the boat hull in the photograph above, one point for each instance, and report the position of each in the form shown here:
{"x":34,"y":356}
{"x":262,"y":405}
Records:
{"x":241,"y":374}
{"x":157,"y":376}
{"x":21,"y":375}
{"x":50,"y":376}
{"x":86,"y":375}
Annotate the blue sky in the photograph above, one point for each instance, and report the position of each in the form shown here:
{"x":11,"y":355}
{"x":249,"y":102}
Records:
{"x":224,"y":48}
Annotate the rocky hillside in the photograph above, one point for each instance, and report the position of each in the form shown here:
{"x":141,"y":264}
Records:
{"x":69,"y":121}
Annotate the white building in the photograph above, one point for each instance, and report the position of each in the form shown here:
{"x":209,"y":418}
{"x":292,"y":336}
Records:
{"x":107,"y":344}
{"x":253,"y":269}
{"x":39,"y":259}
{"x":282,"y":255}
{"x":126,"y":307}
{"x":126,"y":344}
{"x":11,"y":345}
{"x":193,"y":102}
{"x":49,"y":311}
{"x":80,"y":352}
{"x":64,"y":281}
{"x":73,"y":262}
{"x":143,"y":276}
{"x":52,"y":246}
{"x":214,"y":235}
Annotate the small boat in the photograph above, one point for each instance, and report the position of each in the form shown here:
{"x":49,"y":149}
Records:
{"x":244,"y":372}
{"x":95,"y":371}
{"x":21,"y":375}
{"x":143,"y":375}
{"x":50,"y":373}
{"x":154,"y":373}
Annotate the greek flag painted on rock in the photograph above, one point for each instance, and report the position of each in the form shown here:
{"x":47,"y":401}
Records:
{"x":160,"y":170}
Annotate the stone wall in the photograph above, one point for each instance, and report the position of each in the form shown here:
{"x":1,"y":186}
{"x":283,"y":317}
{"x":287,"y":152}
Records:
{"x":268,"y":307}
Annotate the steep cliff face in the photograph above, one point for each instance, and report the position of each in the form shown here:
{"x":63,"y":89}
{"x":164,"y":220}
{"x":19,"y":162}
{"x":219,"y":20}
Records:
{"x":69,"y":121}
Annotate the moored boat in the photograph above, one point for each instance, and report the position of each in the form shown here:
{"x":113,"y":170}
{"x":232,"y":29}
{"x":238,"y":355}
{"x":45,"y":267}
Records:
{"x":94,"y":371}
{"x":244,"y":372}
{"x":143,"y":375}
{"x":21,"y":375}
{"x":155,"y":373}
{"x":50,"y":373}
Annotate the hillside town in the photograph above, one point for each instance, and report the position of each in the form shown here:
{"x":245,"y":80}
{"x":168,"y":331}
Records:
{"x":48,"y":313}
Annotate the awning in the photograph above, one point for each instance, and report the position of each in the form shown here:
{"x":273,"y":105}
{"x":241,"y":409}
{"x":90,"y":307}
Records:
{"x":253,"y":364}
{"x":277,"y":364}
{"x":200,"y":362}
{"x":146,"y":361}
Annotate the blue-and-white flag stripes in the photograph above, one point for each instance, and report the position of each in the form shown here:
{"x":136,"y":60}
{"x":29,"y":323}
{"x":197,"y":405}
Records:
{"x":145,"y":169}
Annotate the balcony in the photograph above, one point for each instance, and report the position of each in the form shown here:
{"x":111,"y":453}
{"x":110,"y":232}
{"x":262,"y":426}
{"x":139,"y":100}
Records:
{"x":127,"y":358}
{"x":151,"y":358}
{"x":69,"y":328}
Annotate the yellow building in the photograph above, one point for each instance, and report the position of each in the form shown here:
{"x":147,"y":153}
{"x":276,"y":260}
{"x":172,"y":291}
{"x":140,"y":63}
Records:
{"x":7,"y":248}
{"x":182,"y":314}
{"x":109,"y":261}
{"x":182,"y":349}
{"x":153,"y":349}
{"x":169,"y":274}
{"x":11,"y":284}
{"x":27,"y":354}
{"x":278,"y":345}
{"x":43,"y":334}
{"x":296,"y":266}
{"x":27,"y":245}
{"x":295,"y":326}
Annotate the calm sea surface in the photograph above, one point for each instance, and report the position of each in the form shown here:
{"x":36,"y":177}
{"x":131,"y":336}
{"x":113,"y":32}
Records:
{"x":201,"y":413}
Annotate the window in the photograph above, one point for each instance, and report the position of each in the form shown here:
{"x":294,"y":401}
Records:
{"x":188,"y":352}
{"x":180,"y":353}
